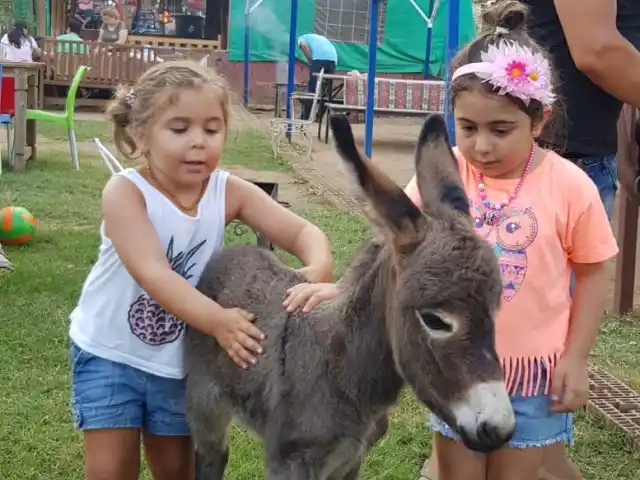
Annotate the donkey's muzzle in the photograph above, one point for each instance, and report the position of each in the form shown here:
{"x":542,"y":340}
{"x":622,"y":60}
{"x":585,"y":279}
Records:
{"x":485,"y":418}
{"x":487,"y":438}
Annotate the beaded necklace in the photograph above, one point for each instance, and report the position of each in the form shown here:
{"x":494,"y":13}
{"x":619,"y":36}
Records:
{"x":188,"y":209}
{"x":493,"y":215}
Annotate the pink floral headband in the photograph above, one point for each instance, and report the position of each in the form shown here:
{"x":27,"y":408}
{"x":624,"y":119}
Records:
{"x":515,"y":70}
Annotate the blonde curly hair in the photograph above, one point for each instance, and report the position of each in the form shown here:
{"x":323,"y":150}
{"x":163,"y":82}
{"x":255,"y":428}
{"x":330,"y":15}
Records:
{"x":159,"y":87}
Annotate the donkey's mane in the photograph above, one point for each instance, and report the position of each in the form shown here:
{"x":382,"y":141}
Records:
{"x":364,"y":269}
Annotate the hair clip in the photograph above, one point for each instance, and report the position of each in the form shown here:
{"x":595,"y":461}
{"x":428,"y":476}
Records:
{"x":501,"y":31}
{"x":130,"y":98}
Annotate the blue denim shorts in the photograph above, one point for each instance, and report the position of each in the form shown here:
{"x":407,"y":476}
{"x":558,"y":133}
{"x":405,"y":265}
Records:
{"x":604,"y":173}
{"x":106,"y":394}
{"x":536,"y":425}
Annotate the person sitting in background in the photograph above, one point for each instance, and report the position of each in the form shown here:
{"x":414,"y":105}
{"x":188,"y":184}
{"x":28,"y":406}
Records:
{"x":84,"y":11}
{"x":113,"y":30}
{"x":72,"y":38}
{"x":320,"y":54}
{"x":19,"y":46}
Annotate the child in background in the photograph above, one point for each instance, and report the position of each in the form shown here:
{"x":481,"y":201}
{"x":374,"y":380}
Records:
{"x":545,"y":219}
{"x":160,"y":226}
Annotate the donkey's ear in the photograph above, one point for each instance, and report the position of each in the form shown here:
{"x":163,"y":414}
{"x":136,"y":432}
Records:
{"x":399,"y":217}
{"x":437,"y":171}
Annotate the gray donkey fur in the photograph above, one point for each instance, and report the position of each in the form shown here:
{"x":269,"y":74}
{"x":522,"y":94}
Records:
{"x":416,"y":306}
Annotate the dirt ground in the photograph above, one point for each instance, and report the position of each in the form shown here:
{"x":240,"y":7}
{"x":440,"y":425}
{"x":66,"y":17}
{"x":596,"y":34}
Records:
{"x":290,"y":189}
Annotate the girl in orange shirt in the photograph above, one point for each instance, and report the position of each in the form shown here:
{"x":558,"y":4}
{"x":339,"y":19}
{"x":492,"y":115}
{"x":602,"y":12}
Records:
{"x":544,"y":217}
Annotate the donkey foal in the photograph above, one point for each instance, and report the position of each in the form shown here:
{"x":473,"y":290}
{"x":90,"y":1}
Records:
{"x":416,"y":306}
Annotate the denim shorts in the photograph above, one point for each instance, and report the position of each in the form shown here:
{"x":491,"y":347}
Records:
{"x":106,"y":394}
{"x":536,"y":425}
{"x":604,"y":173}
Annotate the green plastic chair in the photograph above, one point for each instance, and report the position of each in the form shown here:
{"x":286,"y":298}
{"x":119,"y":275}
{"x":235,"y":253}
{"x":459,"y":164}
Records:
{"x":66,"y":118}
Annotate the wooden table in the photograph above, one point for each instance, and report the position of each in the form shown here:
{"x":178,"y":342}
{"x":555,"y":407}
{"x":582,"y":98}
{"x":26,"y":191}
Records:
{"x":281,"y":88}
{"x":29,"y":79}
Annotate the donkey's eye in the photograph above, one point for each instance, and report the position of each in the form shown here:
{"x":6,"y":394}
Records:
{"x":434,"y":323}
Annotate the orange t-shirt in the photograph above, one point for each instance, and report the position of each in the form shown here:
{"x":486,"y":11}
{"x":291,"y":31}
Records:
{"x":557,"y":219}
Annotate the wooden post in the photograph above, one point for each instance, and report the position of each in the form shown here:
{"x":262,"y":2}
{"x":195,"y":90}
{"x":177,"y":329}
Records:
{"x":628,"y":203}
{"x":33,"y":102}
{"x":41,"y":17}
{"x":20,"y":121}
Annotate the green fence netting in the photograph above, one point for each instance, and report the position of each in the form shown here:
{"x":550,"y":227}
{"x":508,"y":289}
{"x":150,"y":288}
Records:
{"x":12,"y":10}
{"x":402,"y":51}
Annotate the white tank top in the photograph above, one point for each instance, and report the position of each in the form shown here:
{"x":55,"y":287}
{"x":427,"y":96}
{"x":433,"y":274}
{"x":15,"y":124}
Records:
{"x":115,"y":318}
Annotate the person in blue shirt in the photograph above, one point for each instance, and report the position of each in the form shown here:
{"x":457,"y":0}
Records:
{"x":320,"y":53}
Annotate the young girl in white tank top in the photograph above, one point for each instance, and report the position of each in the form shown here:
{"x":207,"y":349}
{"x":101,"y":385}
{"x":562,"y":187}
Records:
{"x":160,"y":226}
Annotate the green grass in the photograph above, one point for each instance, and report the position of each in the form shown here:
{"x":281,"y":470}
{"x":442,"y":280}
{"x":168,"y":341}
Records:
{"x":248,"y":148}
{"x":36,"y":433}
{"x":86,"y":130}
{"x":618,"y":350}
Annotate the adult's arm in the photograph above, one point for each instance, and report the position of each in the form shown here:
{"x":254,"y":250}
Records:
{"x":306,"y":50}
{"x":123,"y":34}
{"x":599,"y":49}
{"x":36,"y":50}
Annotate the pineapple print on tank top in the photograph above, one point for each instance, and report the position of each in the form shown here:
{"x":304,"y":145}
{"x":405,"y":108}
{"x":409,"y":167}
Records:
{"x":147,"y":319}
{"x":115,"y":318}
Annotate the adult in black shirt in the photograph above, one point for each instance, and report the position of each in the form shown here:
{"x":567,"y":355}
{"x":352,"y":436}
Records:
{"x":593,"y":45}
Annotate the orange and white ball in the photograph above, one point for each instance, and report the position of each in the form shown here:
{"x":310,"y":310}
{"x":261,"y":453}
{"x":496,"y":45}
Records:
{"x":17,"y":225}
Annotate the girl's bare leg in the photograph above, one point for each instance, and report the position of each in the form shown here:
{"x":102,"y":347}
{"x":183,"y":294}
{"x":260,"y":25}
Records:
{"x":556,"y":465}
{"x":514,"y":464}
{"x":457,"y":462}
{"x":430,"y":467}
{"x":112,"y":454}
{"x":170,"y":457}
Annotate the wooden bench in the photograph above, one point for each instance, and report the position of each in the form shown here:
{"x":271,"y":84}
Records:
{"x":90,"y":34}
{"x":110,"y":64}
{"x":175,"y":42}
{"x":392,"y":97}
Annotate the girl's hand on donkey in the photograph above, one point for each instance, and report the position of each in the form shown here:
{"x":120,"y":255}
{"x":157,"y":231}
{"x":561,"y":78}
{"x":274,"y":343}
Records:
{"x":309,"y":295}
{"x":239,"y":337}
